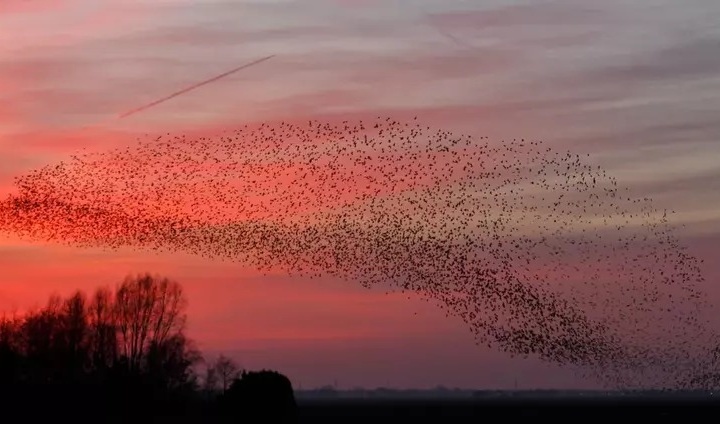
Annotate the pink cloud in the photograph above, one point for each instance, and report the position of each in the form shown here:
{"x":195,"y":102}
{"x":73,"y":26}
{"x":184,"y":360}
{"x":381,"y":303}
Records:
{"x":23,"y":6}
{"x":73,"y":22}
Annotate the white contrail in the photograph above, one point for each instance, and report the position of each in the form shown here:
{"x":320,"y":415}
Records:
{"x":192,"y":87}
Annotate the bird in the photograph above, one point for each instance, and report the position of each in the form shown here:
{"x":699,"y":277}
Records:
{"x":535,"y":250}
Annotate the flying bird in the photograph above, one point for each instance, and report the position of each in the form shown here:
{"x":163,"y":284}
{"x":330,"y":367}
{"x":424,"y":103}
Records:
{"x":538,"y":252}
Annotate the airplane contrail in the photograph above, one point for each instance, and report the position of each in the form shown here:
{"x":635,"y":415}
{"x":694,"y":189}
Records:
{"x":192,"y":87}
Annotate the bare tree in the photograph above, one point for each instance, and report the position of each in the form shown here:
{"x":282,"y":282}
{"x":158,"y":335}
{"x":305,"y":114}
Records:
{"x":103,"y":329}
{"x":210,"y":382}
{"x":74,"y":331}
{"x":171,"y":362}
{"x":10,"y":348}
{"x":75,"y":348}
{"x":149,"y":310}
{"x":44,"y":338}
{"x":226,"y":371}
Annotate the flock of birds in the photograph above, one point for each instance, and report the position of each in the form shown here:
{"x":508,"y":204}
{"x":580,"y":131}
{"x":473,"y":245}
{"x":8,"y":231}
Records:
{"x":539,"y":252}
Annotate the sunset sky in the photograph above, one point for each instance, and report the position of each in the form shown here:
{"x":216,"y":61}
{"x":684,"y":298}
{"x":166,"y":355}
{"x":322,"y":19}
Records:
{"x":636,"y":84}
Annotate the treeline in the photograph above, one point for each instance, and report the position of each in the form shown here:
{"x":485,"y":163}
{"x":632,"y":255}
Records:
{"x":120,"y":352}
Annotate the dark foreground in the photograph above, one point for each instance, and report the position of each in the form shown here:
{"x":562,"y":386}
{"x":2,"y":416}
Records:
{"x":416,"y":411}
{"x":477,"y":410}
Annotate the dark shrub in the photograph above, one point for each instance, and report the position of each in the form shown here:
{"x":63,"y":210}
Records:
{"x":265,"y":396}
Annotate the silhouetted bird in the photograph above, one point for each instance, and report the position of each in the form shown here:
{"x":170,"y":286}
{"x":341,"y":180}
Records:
{"x":537,"y":251}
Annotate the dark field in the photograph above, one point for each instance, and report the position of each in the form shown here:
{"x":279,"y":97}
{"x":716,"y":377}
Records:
{"x":477,"y":410}
{"x":688,"y":408}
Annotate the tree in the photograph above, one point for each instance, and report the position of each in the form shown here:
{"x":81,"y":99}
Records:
{"x":210,"y":382}
{"x":74,"y":332}
{"x":10,"y":350}
{"x":116,"y":349}
{"x":263,"y":393}
{"x":42,"y":334}
{"x":225,"y":370}
{"x":148,"y":311}
{"x":102,"y":330}
{"x":169,"y":364}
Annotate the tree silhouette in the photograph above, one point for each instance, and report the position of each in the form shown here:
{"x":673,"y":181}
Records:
{"x":226,"y":371}
{"x":263,"y":393}
{"x":170,"y":363}
{"x":210,"y":382}
{"x":122,"y":353}
{"x":149,"y":310}
{"x":74,"y":326}
{"x":103,"y":338}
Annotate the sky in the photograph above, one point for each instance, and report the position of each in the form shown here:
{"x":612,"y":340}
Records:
{"x":634,"y":84}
